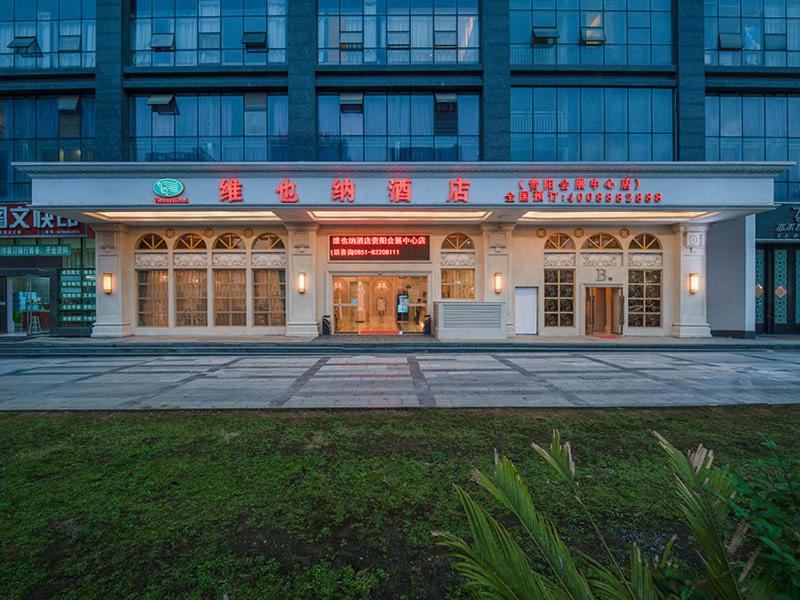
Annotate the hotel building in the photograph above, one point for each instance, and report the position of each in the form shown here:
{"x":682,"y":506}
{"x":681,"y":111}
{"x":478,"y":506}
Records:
{"x":469,"y":169}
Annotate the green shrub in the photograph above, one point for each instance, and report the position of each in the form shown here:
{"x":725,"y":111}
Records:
{"x":769,"y":502}
{"x":735,"y":566}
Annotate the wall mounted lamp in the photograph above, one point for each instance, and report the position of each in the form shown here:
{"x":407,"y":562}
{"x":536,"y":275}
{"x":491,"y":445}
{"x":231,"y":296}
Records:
{"x":498,"y":283}
{"x":694,"y":283}
{"x":301,"y":282}
{"x":108,"y":283}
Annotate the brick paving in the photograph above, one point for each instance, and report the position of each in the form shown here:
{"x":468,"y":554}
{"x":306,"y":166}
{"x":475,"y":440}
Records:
{"x":543,"y":379}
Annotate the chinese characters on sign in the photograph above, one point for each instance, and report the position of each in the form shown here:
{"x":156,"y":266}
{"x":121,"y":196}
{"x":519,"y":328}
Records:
{"x":379,"y":247}
{"x":230,"y":190}
{"x":16,"y":251}
{"x":20,"y":220}
{"x":533,"y":190}
{"x":344,"y":190}
{"x":582,"y":190}
{"x":287,"y":192}
{"x":400,"y":191}
{"x":459,"y":191}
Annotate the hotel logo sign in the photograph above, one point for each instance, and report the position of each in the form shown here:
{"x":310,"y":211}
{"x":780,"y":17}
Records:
{"x":168,"y":191}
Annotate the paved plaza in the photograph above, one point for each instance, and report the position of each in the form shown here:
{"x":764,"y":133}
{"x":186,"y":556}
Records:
{"x":543,"y":379}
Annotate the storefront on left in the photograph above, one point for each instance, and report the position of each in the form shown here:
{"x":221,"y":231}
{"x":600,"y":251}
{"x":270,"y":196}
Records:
{"x":47,"y":273}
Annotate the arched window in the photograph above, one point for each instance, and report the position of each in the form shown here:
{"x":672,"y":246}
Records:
{"x":559,"y":281}
{"x":645,"y":241}
{"x":559,"y":241}
{"x":602,"y":241}
{"x":268,"y":241}
{"x":645,"y":277}
{"x":458,"y":241}
{"x":458,"y":267}
{"x":269,"y":281}
{"x":151,"y":241}
{"x":151,"y":282}
{"x":229,"y":241}
{"x":190,"y":241}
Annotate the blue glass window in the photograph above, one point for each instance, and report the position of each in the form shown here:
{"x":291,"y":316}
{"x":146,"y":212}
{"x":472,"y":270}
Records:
{"x":44,"y":128}
{"x":591,"y":124}
{"x":374,"y":32}
{"x":755,"y":128}
{"x":591,"y":32}
{"x":752,"y":33}
{"x":47,"y":34}
{"x":190,"y":33}
{"x":209,"y":127}
{"x":399,"y":127}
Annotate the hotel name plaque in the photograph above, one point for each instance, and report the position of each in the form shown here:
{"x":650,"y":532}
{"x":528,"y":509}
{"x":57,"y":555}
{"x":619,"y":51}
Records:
{"x":379,"y":247}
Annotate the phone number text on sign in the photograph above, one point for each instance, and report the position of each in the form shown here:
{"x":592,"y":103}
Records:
{"x":384,"y":247}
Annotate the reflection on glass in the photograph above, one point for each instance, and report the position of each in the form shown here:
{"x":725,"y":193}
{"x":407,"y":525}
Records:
{"x":380,"y":304}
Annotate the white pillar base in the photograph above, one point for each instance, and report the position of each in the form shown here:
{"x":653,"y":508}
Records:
{"x":302,"y":329}
{"x":111,"y":330}
{"x":684,"y":330}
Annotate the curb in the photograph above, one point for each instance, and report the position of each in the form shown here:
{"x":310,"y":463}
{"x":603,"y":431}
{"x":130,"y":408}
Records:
{"x":57,"y":350}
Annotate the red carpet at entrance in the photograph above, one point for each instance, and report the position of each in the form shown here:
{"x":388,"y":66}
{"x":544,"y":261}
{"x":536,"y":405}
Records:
{"x":378,"y":332}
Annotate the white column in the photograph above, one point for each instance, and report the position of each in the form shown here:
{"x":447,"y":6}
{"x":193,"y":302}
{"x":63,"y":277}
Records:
{"x":732,"y":277}
{"x":690,"y":309}
{"x":301,"y":309}
{"x":497,"y":259}
{"x":113,"y":309}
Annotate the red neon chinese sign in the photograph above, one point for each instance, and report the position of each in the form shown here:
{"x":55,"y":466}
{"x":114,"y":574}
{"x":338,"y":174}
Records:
{"x":581,"y":191}
{"x":379,"y":247}
{"x":230,"y":190}
{"x":287,"y":192}
{"x":400,"y":191}
{"x":343,"y":190}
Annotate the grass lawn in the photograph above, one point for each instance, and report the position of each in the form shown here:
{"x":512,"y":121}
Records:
{"x":318,"y":504}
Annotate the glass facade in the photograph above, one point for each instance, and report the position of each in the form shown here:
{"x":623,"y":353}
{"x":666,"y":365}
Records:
{"x":752,"y":33}
{"x":398,"y":32}
{"x":47,"y":34}
{"x":401,"y":127}
{"x":591,"y":32}
{"x":209,"y":127}
{"x":756,"y":127}
{"x":189,"y":33}
{"x":34,"y":129}
{"x":592,"y":123}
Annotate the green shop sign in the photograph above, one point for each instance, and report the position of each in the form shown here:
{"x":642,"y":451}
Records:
{"x":55,"y":250}
{"x":168,"y":188}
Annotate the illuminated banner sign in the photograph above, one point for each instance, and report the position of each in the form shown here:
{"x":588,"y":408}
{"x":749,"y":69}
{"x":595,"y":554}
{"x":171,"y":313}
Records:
{"x":21,"y":220}
{"x":56,"y":250}
{"x":379,"y":247}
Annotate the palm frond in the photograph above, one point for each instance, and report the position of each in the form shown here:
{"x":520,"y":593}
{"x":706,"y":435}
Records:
{"x":508,"y":487}
{"x":701,"y":491}
{"x":559,"y":456}
{"x":494,"y":562}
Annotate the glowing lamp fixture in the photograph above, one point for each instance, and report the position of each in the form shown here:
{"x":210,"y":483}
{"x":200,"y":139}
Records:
{"x":694,"y":283}
{"x":498,"y":283}
{"x":108,"y":283}
{"x":301,"y":282}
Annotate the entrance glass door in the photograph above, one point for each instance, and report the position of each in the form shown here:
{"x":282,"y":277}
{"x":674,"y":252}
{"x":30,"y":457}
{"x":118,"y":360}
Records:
{"x":604,"y":311}
{"x":379,"y":304}
{"x":30,"y":304}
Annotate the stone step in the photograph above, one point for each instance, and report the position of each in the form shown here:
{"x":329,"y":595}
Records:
{"x":57,"y":349}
